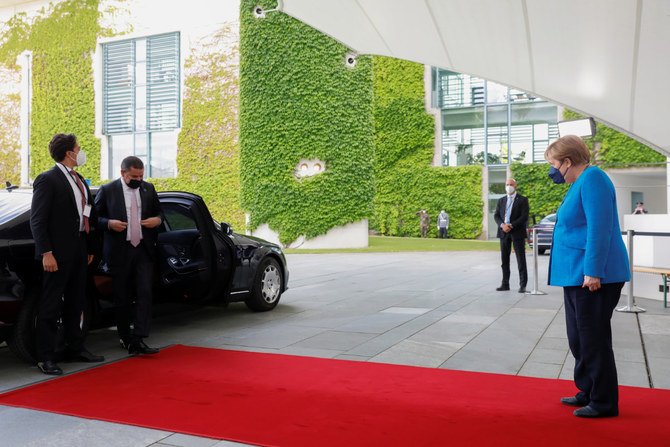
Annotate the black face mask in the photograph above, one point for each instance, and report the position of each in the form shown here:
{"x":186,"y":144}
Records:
{"x":133,"y":183}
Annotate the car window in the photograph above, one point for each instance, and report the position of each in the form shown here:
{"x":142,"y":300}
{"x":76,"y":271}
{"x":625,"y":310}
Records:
{"x":178,"y":217}
{"x":12,"y":205}
{"x":549,"y":219}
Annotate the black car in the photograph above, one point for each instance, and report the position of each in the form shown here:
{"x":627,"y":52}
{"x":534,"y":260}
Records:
{"x":545,"y":233}
{"x":200,"y":260}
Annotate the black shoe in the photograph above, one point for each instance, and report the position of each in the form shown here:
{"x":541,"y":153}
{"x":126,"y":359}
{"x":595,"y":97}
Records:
{"x":83,"y":356}
{"x":522,"y":289}
{"x":124,"y":344}
{"x":573,"y":402}
{"x":50,"y":368}
{"x":588,"y":412}
{"x":502,"y":288}
{"x":139,"y":347}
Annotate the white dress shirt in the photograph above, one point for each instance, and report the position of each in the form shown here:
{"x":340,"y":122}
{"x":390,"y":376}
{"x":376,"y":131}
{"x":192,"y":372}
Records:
{"x":77,"y":192}
{"x":127,"y":195}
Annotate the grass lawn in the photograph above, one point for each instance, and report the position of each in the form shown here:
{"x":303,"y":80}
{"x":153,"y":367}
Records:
{"x":380,"y":244}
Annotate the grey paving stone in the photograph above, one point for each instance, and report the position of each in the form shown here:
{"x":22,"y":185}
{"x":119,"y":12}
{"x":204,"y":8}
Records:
{"x":553,"y":343}
{"x":410,"y":352}
{"x":632,"y":374}
{"x":655,"y":324}
{"x":357,"y":358}
{"x":486,"y":360}
{"x":548,"y":356}
{"x":538,"y":369}
{"x":179,"y":440}
{"x":657,"y":345}
{"x":660,"y":371}
{"x":334,"y":340}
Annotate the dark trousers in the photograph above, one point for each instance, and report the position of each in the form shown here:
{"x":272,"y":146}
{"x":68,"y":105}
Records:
{"x":506,"y":243}
{"x":63,"y":296}
{"x":443,"y":233}
{"x":132,"y":281}
{"x":588,"y":315}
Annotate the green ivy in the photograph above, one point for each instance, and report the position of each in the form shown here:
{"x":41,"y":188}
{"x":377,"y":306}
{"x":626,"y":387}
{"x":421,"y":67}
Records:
{"x":616,"y":148}
{"x":208,"y":156}
{"x":62,"y":38}
{"x":544,"y":196}
{"x":406,"y":181}
{"x":10,"y":155}
{"x":299,"y":100}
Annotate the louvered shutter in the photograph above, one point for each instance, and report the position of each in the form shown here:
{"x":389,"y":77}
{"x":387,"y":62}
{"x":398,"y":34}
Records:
{"x":119,"y":87}
{"x":163,"y":83}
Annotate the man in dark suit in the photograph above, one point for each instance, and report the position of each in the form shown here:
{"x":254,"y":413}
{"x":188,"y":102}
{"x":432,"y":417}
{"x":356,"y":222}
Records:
{"x":512,"y":218}
{"x":129,"y":213}
{"x":60,"y":219}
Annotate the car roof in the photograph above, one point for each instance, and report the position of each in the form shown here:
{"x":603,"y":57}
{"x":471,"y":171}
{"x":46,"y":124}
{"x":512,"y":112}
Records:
{"x":14,"y":203}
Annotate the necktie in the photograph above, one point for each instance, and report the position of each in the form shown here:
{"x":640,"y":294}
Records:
{"x":134,"y":220}
{"x":508,"y":209}
{"x":77,"y":180}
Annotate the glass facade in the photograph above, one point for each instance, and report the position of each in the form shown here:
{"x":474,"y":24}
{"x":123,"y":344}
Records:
{"x":141,"y":102}
{"x":490,"y":124}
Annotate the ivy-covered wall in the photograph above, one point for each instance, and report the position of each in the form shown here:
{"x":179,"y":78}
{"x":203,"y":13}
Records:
{"x":10,"y":155}
{"x":544,"y":196}
{"x":62,"y":38}
{"x":208,"y":155}
{"x":617,"y":149}
{"x":299,"y":100}
{"x":405,"y":180}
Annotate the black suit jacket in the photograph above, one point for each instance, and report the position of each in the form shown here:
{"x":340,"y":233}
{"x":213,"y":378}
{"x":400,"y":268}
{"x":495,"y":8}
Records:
{"x":54,"y":215}
{"x":518,"y":217}
{"x":110,"y":204}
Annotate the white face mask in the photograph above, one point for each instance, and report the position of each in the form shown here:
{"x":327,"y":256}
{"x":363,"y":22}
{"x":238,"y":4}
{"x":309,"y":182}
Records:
{"x":81,"y":158}
{"x":510,"y":189}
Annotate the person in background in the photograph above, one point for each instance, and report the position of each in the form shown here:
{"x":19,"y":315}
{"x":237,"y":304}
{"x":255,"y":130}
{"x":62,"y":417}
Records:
{"x":442,"y":224}
{"x":589,"y":260}
{"x":61,"y":217}
{"x":511,"y":215}
{"x":639,"y":208}
{"x":129,"y":214}
{"x":424,"y":222}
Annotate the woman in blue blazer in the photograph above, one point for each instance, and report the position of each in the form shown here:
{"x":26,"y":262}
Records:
{"x":589,"y":260}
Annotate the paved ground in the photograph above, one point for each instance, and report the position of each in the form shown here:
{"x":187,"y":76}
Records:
{"x":429,"y":309}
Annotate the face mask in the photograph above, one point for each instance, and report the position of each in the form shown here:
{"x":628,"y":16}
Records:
{"x":134,"y":183}
{"x":556,"y":176}
{"x":80,"y":159}
{"x":510,"y":189}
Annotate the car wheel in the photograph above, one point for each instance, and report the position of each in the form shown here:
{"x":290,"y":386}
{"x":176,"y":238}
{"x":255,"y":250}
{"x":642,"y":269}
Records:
{"x":22,"y":340}
{"x":267,"y":286}
{"x":541,"y":250}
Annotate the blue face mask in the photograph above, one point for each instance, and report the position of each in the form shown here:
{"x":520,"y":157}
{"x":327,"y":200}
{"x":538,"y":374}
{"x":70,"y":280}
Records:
{"x":556,"y":176}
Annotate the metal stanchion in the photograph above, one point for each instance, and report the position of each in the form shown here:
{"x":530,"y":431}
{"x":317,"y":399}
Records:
{"x":535,"y":290}
{"x":630,"y":306}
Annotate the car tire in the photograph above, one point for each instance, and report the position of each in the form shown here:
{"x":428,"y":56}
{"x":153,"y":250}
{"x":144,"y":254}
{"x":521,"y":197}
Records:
{"x":541,"y":250}
{"x":22,"y":340}
{"x":267,"y":287}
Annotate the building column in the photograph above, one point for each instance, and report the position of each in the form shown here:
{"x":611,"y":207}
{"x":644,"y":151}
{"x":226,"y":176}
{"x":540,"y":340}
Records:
{"x":667,"y":185}
{"x":429,"y":102}
{"x":25,"y":61}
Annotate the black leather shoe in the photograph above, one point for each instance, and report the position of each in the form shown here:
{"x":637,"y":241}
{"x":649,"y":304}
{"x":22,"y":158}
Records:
{"x":50,"y":368}
{"x":573,"y":401}
{"x":522,"y":289}
{"x":139,"y":347}
{"x":83,"y":356}
{"x":588,"y":412}
{"x":502,"y":288}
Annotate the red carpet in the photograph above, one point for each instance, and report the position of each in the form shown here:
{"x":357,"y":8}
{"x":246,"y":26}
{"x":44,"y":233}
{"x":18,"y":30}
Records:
{"x":282,"y":400}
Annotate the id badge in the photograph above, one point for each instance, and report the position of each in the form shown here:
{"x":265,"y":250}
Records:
{"x":87,"y":210}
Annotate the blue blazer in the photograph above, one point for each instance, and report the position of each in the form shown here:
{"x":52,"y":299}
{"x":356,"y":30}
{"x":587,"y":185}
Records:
{"x":587,"y":238}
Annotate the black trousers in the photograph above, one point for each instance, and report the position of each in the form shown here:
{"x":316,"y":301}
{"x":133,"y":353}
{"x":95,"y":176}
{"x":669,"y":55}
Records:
{"x":587,"y":316}
{"x":506,"y":243}
{"x":443,"y":233}
{"x":132,"y":282}
{"x":63,"y":296}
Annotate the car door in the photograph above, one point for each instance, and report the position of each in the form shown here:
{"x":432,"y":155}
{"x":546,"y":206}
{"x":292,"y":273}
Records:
{"x":184,"y":247}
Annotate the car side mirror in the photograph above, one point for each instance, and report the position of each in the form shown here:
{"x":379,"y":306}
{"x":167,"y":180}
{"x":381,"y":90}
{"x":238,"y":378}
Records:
{"x":226,"y":228}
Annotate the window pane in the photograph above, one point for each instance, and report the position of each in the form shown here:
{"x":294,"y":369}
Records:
{"x":120,"y":146}
{"x":495,"y":93}
{"x":178,"y":217}
{"x":141,"y":144}
{"x":163,"y":154}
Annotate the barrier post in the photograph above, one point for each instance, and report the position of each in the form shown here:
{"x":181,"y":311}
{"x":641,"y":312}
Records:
{"x":535,"y":290}
{"x":630,"y":306}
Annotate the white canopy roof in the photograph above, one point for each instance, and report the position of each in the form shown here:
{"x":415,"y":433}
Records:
{"x":606,"y":58}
